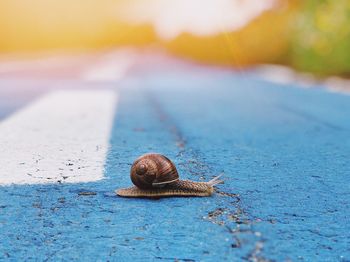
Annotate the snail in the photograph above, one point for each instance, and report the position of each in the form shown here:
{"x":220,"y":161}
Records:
{"x":154,"y":176}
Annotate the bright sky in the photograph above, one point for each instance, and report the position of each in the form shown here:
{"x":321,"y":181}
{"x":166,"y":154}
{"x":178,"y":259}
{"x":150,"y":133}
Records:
{"x":200,"y":17}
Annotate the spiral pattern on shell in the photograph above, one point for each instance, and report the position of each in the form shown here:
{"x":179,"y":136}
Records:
{"x":153,"y":171}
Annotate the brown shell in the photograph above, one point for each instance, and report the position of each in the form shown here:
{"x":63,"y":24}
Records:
{"x":153,"y":171}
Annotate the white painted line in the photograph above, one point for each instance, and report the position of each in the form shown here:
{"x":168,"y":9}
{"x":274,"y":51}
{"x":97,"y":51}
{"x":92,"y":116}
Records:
{"x":37,"y":63}
{"x":111,"y":67}
{"x":287,"y":76}
{"x":276,"y":74}
{"x":62,"y":137}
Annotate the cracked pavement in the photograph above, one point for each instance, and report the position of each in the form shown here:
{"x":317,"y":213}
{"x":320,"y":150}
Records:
{"x":285,"y":168}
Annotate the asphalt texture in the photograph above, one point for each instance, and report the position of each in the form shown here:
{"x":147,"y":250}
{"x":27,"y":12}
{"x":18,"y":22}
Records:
{"x":283,"y":152}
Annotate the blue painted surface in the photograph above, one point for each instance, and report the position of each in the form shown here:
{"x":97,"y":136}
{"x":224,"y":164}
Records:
{"x":283,"y":150}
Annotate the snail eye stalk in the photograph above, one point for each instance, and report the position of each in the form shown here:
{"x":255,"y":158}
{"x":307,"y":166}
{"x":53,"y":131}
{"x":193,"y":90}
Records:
{"x":154,"y":176}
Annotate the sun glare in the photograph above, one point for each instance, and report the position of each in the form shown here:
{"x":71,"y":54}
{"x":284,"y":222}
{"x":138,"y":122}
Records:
{"x":199,"y":17}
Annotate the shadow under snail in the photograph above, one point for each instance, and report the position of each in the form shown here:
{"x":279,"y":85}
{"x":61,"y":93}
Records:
{"x":154,"y":175}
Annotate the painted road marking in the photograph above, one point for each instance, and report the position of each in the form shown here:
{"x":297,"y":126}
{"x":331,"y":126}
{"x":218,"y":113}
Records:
{"x":284,"y":152}
{"x":111,"y":68}
{"x":286,"y":76}
{"x":62,"y":137}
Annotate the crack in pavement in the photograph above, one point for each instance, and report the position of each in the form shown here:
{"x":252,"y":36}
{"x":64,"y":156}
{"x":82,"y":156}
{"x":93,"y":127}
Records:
{"x":233,"y":218}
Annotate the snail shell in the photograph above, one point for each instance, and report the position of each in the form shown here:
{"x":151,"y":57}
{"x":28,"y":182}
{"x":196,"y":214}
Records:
{"x":153,"y":170}
{"x":154,"y":175}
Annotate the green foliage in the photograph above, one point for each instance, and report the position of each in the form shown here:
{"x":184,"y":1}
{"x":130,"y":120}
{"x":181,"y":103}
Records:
{"x":321,"y":37}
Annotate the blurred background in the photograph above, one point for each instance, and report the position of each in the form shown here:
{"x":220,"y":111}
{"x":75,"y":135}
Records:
{"x":307,"y":35}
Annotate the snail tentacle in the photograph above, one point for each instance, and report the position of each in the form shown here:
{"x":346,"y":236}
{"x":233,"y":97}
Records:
{"x":216,"y":181}
{"x":154,"y":175}
{"x":178,"y":188}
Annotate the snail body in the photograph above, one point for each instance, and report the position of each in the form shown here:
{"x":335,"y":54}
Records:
{"x":154,"y":175}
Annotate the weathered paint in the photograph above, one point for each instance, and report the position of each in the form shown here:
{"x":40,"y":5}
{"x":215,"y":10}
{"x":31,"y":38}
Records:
{"x":61,"y":137}
{"x":283,"y":150}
